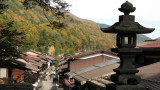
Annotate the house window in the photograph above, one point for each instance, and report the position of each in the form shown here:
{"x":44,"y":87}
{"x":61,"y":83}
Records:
{"x":3,"y":72}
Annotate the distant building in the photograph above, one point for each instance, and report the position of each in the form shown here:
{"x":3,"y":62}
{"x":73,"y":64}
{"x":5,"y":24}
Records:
{"x":150,"y":52}
{"x":149,"y":44}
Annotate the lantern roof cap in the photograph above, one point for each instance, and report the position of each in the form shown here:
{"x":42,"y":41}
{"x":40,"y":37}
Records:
{"x":127,"y":22}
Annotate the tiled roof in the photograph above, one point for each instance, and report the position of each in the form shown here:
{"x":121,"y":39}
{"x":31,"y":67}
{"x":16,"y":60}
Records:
{"x":150,"y":75}
{"x":152,"y":44}
{"x":21,"y":60}
{"x":61,"y":68}
{"x":18,"y":62}
{"x":33,"y":52}
{"x":33,"y":60}
{"x":93,"y":67}
{"x":32,"y":67}
{"x":144,"y":43}
{"x":90,"y":53}
{"x":50,"y":57}
{"x":29,"y":59}
{"x":94,"y":71}
{"x":151,"y":85}
{"x":101,"y":81}
{"x":28,"y":65}
{"x":62,"y":62}
{"x":43,"y":57}
{"x":151,"y":72}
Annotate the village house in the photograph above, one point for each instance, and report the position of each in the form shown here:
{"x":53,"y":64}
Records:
{"x":150,"y":52}
{"x":24,"y":69}
{"x":9,"y":69}
{"x":72,"y":64}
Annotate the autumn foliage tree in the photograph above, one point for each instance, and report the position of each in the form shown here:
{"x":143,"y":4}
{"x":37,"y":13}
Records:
{"x":10,"y":38}
{"x":51,"y":50}
{"x":56,"y":7}
{"x":78,"y":34}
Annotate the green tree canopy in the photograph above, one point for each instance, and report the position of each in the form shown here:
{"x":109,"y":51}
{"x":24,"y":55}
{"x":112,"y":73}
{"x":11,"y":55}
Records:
{"x":10,"y":40}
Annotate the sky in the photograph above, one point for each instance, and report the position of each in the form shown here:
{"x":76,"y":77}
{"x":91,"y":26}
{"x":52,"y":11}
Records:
{"x":106,"y":11}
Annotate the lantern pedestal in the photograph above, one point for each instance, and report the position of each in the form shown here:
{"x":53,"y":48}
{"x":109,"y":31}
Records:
{"x":125,"y":73}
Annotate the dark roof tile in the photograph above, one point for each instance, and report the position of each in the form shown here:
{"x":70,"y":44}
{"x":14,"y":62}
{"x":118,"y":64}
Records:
{"x":152,"y":44}
{"x":90,"y":53}
{"x":150,"y":75}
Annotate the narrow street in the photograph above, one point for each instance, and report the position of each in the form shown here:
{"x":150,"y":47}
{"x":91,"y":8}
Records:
{"x":49,"y":84}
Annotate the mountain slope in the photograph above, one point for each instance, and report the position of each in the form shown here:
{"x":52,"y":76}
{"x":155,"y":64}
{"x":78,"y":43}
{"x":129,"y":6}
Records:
{"x":100,"y":25}
{"x":79,"y":34}
{"x":141,"y":38}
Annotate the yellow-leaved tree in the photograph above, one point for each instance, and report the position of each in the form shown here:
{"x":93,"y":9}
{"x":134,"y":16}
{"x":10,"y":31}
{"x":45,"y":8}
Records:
{"x":51,"y":50}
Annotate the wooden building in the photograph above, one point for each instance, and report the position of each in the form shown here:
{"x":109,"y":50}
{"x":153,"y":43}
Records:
{"x":74,"y":63}
{"x":8,"y":67}
{"x":29,"y":62}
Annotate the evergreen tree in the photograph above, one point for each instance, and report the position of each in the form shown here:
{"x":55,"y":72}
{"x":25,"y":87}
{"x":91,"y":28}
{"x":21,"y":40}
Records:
{"x":3,"y":6}
{"x":43,"y":42}
{"x":10,"y":38}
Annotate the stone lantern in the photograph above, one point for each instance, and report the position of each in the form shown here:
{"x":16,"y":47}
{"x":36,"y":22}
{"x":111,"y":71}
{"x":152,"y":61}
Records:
{"x":126,"y":29}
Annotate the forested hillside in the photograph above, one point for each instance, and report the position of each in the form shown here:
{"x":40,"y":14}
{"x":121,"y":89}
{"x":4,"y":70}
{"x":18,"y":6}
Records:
{"x":78,"y":34}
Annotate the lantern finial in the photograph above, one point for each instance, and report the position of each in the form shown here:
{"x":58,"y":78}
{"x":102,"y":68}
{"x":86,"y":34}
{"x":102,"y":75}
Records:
{"x":127,"y":8}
